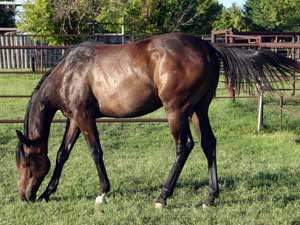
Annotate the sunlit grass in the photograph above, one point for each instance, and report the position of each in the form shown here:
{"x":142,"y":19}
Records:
{"x":258,"y":172}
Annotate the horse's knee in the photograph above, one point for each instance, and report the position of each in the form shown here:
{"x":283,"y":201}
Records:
{"x":183,"y":150}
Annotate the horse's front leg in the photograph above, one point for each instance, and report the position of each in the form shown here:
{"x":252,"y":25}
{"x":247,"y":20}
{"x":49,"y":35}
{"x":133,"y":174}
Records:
{"x":88,"y":127}
{"x":71,"y":134}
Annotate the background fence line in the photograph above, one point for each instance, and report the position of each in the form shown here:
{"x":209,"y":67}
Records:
{"x":23,"y":54}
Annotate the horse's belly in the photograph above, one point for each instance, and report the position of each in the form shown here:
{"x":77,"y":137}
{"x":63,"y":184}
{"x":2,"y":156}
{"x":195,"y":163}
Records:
{"x":127,"y":100}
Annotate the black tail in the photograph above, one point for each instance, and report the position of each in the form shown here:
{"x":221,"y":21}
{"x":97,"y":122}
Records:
{"x":245,"y":68}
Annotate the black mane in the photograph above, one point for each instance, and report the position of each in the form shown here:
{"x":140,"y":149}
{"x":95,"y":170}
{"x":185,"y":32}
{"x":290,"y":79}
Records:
{"x":37,"y":88}
{"x":44,"y":77}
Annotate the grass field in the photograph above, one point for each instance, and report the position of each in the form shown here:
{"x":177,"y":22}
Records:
{"x":259,"y":172}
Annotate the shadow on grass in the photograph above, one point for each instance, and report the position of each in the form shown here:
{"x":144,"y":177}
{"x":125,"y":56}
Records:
{"x":267,"y":179}
{"x":71,"y":198}
{"x":279,"y":200}
{"x":264,"y":184}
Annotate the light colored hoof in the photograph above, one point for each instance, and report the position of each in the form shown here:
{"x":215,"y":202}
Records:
{"x":159,"y":205}
{"x":204,"y":206}
{"x":101,"y":199}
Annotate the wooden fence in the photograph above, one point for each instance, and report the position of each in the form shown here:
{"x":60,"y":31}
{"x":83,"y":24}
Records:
{"x":16,"y":58}
{"x":25,"y":53}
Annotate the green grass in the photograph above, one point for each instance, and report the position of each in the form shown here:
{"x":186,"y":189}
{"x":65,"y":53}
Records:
{"x":258,"y":172}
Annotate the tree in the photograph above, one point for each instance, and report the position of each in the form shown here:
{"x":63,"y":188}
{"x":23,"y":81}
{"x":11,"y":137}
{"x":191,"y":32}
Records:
{"x":273,"y":15}
{"x":161,"y":16}
{"x":7,"y":16}
{"x":190,"y":16}
{"x":194,"y":16}
{"x":58,"y":17}
{"x":231,"y":18}
{"x":140,"y":17}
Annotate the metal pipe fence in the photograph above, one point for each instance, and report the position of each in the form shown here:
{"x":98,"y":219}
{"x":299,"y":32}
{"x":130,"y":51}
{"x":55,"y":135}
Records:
{"x":259,"y":99}
{"x":24,"y":54}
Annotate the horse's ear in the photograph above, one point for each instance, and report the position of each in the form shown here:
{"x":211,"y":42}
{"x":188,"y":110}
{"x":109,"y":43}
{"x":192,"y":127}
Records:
{"x":22,"y":138}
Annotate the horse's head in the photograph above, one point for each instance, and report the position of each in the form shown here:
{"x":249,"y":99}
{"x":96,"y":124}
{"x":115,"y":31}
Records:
{"x":33,"y":165}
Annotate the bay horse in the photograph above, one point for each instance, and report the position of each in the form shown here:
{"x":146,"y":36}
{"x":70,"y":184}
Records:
{"x":178,"y":72}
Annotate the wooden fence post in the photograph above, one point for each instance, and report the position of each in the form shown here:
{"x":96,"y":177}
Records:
{"x":6,"y":41}
{"x":281,"y":110}
{"x":11,"y":52}
{"x":41,"y":56}
{"x":260,"y":122}
{"x":294,"y":73}
{"x":25,"y":52}
{"x":17,"y":52}
{"x":3,"y":57}
{"x":21,"y":52}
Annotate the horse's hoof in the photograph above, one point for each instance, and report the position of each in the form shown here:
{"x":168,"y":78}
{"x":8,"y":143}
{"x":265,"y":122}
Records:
{"x":101,"y":199}
{"x":204,"y":206}
{"x":159,"y":205}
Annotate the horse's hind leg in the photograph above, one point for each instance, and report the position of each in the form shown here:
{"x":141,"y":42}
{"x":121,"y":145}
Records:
{"x":71,"y":134}
{"x":208,"y":143}
{"x":180,"y":129}
{"x":88,"y":127}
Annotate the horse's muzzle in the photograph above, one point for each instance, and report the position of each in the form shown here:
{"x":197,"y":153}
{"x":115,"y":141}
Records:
{"x":28,"y":198}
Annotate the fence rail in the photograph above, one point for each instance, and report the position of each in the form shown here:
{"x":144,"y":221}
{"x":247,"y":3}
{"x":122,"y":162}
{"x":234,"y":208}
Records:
{"x":108,"y":120}
{"x":165,"y":120}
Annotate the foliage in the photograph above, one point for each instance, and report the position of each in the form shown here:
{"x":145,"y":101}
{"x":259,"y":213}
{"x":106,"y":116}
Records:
{"x":141,"y":17}
{"x":161,"y":16}
{"x":273,"y":15}
{"x":7,"y":16}
{"x":58,"y":17}
{"x":231,"y":18}
{"x":147,"y":17}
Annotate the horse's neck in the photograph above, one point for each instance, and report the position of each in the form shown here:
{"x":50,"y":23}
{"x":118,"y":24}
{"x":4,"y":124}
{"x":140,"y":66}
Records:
{"x":39,"y":119}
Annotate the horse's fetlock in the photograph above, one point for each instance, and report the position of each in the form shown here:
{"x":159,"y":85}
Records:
{"x":105,"y":187}
{"x":62,"y":156}
{"x":96,"y":153}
